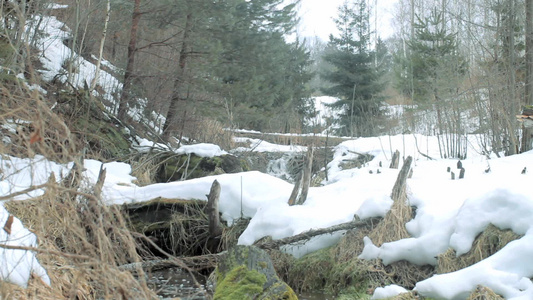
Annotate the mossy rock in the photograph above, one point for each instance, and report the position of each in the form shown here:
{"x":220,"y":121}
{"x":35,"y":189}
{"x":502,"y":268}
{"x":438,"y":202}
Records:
{"x":246,"y":272}
{"x":174,"y":167}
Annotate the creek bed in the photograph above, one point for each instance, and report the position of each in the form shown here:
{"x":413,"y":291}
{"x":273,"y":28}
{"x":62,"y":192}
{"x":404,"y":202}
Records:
{"x":173,"y":283}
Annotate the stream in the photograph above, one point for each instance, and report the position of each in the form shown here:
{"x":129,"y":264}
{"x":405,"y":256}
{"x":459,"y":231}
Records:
{"x":176,"y":283}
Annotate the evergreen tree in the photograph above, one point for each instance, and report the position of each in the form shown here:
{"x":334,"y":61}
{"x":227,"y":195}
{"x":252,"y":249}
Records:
{"x":263,"y":77}
{"x":355,"y":79}
{"x":435,"y":66}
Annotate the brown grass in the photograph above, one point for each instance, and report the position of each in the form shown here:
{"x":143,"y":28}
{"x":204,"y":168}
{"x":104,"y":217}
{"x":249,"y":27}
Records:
{"x":83,"y":246}
{"x":490,"y":241}
{"x":81,"y":241}
{"x":484,"y":293}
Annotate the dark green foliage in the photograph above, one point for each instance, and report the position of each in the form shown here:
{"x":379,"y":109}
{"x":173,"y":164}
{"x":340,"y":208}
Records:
{"x":354,"y":76}
{"x":262,"y":77}
{"x":433,"y":66}
{"x":239,"y":67}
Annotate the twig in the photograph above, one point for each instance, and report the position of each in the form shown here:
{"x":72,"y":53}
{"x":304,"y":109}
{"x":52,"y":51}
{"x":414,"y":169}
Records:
{"x":25,"y":191}
{"x":44,"y":251}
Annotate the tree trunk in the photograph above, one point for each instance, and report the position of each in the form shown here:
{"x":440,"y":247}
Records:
{"x":399,"y":185}
{"x":102,"y":42}
{"x":512,"y":82}
{"x":125,"y":96}
{"x":215,"y":227}
{"x":301,"y":185}
{"x":177,"y":94}
{"x":395,"y":161}
{"x":306,"y":176}
{"x":528,"y":132}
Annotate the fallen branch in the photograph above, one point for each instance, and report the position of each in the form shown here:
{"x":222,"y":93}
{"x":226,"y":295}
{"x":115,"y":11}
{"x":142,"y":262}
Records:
{"x":305,"y":236}
{"x":45,"y":251}
{"x":193,"y":263}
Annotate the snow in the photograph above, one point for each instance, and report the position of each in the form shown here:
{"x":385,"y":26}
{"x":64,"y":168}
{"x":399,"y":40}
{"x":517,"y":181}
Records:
{"x":258,"y":145}
{"x":202,"y":150}
{"x":55,"y":55}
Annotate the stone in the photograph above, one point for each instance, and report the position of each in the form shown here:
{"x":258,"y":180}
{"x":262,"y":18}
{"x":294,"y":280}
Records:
{"x":246,"y":272}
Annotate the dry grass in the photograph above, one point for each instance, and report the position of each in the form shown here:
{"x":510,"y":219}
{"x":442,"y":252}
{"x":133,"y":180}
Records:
{"x":82,"y":246}
{"x":484,"y":293}
{"x":392,"y":227}
{"x":490,"y":241}
{"x":81,"y":241}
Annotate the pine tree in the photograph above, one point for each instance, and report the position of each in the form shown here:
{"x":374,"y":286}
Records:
{"x":355,"y":79}
{"x":262,"y":76}
{"x":435,"y":59}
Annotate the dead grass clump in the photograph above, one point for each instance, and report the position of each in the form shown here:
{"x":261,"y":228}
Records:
{"x":28,"y":127}
{"x":231,"y":234}
{"x":392,"y":227}
{"x":189,"y":232}
{"x":282,"y":262}
{"x":490,"y":241}
{"x":207,"y":130}
{"x":484,"y":293}
{"x":82,"y":245}
{"x":144,"y":169}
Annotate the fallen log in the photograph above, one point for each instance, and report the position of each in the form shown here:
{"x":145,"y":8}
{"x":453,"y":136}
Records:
{"x":305,"y":236}
{"x":192,"y":263}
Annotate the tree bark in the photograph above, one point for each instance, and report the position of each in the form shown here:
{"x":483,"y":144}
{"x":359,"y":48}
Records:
{"x":215,"y":227}
{"x":399,"y":185}
{"x":301,"y":185}
{"x":125,"y":96}
{"x":528,"y":132}
{"x":102,"y":42}
{"x":306,"y":176}
{"x":395,"y":161}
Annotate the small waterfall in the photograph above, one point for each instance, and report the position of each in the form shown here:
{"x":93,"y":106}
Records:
{"x":287,"y":166}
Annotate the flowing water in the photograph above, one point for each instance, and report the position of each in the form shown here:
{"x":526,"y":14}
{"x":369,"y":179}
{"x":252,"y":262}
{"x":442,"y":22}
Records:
{"x":176,"y":283}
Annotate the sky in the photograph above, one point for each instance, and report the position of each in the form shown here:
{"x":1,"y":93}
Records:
{"x":317,"y":17}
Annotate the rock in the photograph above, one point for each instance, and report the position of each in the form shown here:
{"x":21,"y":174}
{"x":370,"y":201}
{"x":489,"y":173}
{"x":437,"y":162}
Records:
{"x":246,"y":272}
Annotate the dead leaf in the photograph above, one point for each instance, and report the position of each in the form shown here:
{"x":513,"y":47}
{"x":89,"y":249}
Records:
{"x":35,"y":136}
{"x":9,"y":222}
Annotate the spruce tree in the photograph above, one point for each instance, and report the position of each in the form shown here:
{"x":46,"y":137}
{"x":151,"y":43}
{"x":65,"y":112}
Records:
{"x":436,"y":65}
{"x":354,"y":77}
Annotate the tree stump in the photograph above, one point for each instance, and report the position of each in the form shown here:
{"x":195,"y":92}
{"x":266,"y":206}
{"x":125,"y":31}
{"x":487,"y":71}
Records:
{"x":395,"y":160}
{"x":215,"y":227}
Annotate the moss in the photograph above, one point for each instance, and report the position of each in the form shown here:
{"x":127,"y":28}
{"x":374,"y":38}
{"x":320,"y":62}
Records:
{"x":240,"y":283}
{"x":174,"y":167}
{"x":103,"y":137}
{"x":312,"y":272}
{"x":279,"y":290}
